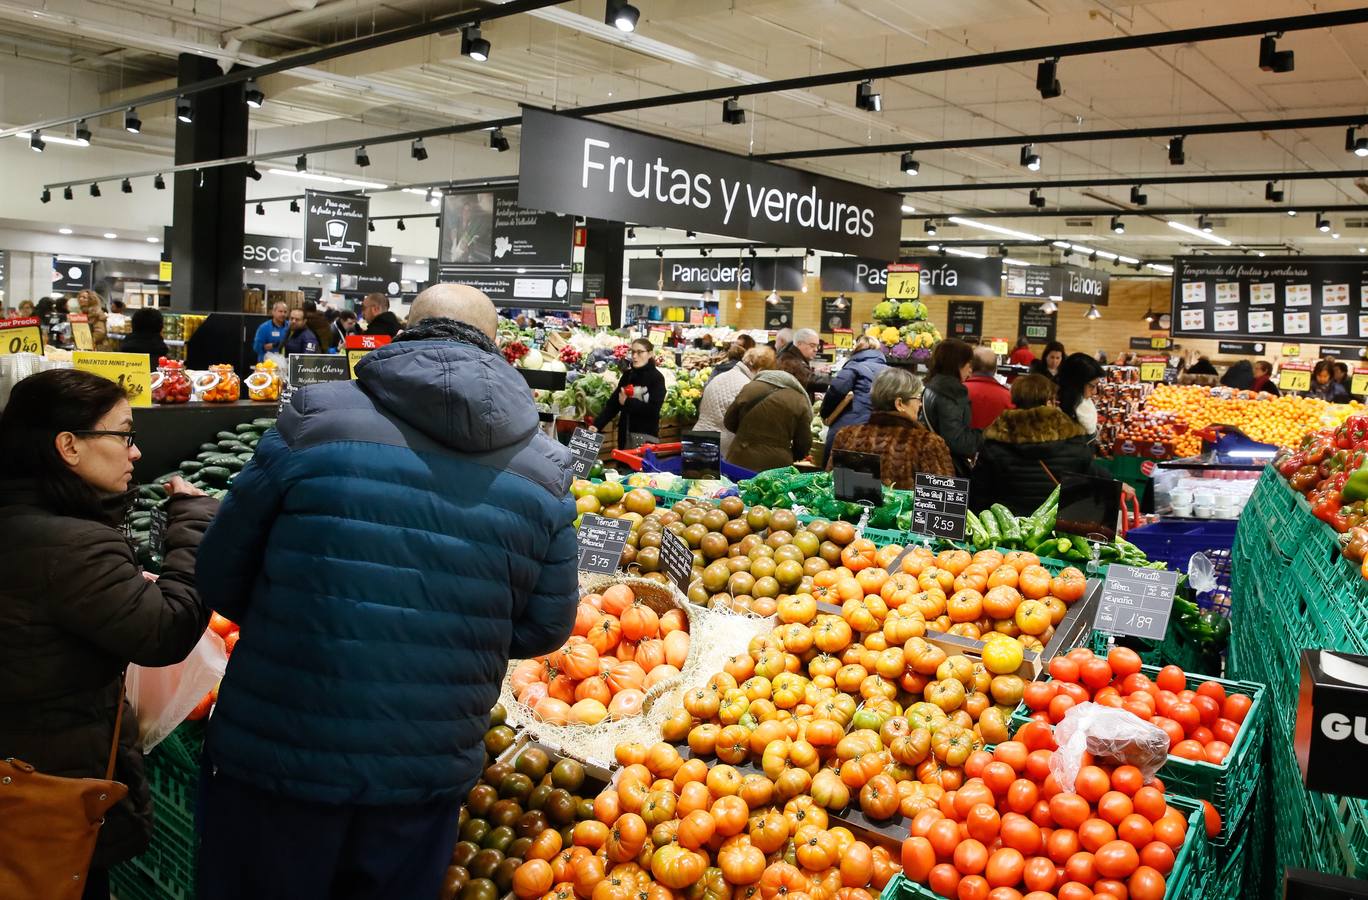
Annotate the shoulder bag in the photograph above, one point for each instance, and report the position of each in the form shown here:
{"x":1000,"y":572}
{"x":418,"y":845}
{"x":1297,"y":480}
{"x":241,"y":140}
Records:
{"x":51,"y":825}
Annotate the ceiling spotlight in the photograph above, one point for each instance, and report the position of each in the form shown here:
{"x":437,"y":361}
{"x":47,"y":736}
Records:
{"x":1117,"y":226}
{"x":1204,"y":224}
{"x":185,"y":110}
{"x":370,"y":226}
{"x":621,"y":14}
{"x":68,"y":193}
{"x":703,"y":252}
{"x":260,"y":209}
{"x":400,"y":226}
{"x":1271,"y":59}
{"x":691,"y":235}
{"x":301,"y":163}
{"x":1037,"y":199}
{"x":252,"y":172}
{"x":1322,"y":223}
{"x":866,"y":98}
{"x":1049,"y":307}
{"x":631,"y":234}
{"x":1093,"y":257}
{"x":1292,"y":212}
{"x":909,"y":164}
{"x":362,"y":158}
{"x":132,"y":124}
{"x":46,"y":196}
{"x":497,"y":141}
{"x":754,"y":253}
{"x":126,"y":186}
{"x":732,"y":113}
{"x":1335,"y":235}
{"x":36,"y":142}
{"x":252,"y":94}
{"x":1047,"y":78}
{"x":1093,"y":312}
{"x":1272,"y":195}
{"x":473,"y":45}
{"x":1138,"y":198}
{"x":294,"y":206}
{"x":1355,"y":144}
{"x":660,"y":253}
{"x":159,"y":183}
{"x":930,"y":227}
{"x":1030,"y":160}
{"x":83,"y":133}
{"x":417,"y":150}
{"x":1175,"y":151}
{"x":94,"y":189}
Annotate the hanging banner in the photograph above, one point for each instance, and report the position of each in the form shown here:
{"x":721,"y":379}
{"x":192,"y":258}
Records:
{"x":699,"y":274}
{"x":489,"y":241}
{"x":1032,"y":281}
{"x":583,"y":167}
{"x":836,"y":314}
{"x":940,"y":275}
{"x":70,"y":275}
{"x":779,"y":315}
{"x":335,"y":228}
{"x":1038,"y":327}
{"x":1079,"y":285}
{"x":382,"y":274}
{"x":966,"y":319}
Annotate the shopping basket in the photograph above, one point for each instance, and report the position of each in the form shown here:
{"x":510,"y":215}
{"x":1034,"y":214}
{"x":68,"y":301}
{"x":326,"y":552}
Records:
{"x":666,"y":458}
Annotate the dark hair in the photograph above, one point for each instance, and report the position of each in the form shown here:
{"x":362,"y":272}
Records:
{"x":1322,"y":365}
{"x":1022,"y":342}
{"x":1239,"y":376}
{"x":736,"y":351}
{"x":1263,"y":365}
{"x":645,"y":345}
{"x":746,"y":341}
{"x":795,"y":365}
{"x":950,"y":356}
{"x":1075,"y":372}
{"x":116,"y":306}
{"x":147,"y":320}
{"x":1031,"y":391}
{"x":41,"y":407}
{"x":1051,"y":347}
{"x":1341,"y":368}
{"x":346,"y":314}
{"x":309,"y":306}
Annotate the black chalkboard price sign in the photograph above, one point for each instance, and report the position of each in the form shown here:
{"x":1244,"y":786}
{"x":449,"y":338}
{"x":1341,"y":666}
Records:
{"x":939,"y":505}
{"x":584,"y":451}
{"x":676,"y":559}
{"x":600,"y":543}
{"x":1136,"y":602}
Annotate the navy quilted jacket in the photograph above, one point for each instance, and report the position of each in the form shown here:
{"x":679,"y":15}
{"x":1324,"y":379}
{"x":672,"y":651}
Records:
{"x":395,"y":541}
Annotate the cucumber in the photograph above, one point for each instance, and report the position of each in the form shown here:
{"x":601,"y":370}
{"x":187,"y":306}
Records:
{"x":209,"y":446}
{"x":231,"y":446}
{"x":227,"y":461}
{"x":217,"y":474}
{"x":154,"y":491}
{"x":245,"y":426}
{"x":140,"y":520}
{"x":207,"y":454}
{"x":263,"y":424}
{"x":145,"y":503}
{"x":226,"y":436}
{"x":247,"y":456}
{"x":190,"y":467}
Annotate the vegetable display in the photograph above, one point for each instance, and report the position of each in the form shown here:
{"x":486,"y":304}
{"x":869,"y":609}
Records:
{"x":788,"y":488}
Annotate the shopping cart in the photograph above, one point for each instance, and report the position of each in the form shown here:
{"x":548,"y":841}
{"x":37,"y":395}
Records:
{"x":667,"y":458}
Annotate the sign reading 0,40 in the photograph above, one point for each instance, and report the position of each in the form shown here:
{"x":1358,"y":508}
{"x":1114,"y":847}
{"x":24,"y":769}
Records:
{"x":20,"y":336}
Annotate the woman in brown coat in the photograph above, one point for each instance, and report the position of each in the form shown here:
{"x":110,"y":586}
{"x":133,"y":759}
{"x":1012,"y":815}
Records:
{"x":771,"y":419}
{"x":75,"y":607}
{"x":97,"y":319}
{"x":893,"y":433}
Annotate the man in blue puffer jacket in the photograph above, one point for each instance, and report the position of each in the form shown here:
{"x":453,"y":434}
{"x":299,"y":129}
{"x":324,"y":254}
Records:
{"x":395,"y":541}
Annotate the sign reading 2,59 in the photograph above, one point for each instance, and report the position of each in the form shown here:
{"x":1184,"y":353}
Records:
{"x":20,"y":336}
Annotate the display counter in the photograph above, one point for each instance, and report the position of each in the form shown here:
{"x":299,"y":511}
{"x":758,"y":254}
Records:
{"x":170,"y":433}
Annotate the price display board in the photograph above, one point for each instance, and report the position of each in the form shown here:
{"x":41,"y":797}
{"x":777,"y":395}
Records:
{"x":855,"y":477}
{"x":1294,"y":377}
{"x":1358,"y":385}
{"x":939,"y":505}
{"x":585,"y":447}
{"x":603,"y":316}
{"x":1291,"y":351}
{"x":600,"y":543}
{"x":1136,"y":602}
{"x":358,"y":345}
{"x":904,"y":282}
{"x":843,"y":339}
{"x":21,"y":336}
{"x":1152,"y":369}
{"x":80,"y":331}
{"x":999,"y":346}
{"x":130,"y":371}
{"x":676,"y":559}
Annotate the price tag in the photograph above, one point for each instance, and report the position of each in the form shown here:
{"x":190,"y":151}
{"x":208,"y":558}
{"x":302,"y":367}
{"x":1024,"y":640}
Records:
{"x":603,"y":316}
{"x":939,"y":505}
{"x":600,"y":543}
{"x":163,"y":271}
{"x":80,"y":331}
{"x":676,"y":559}
{"x":1291,"y":350}
{"x":584,"y":451}
{"x":20,"y":336}
{"x":1294,"y":380}
{"x":1358,"y":385}
{"x":843,"y":339}
{"x":904,"y":282}
{"x":354,"y":357}
{"x":1152,"y":371}
{"x":855,"y":477}
{"x":1136,"y":602}
{"x":657,"y":338}
{"x":1159,"y":343}
{"x":130,"y":371}
{"x":367,"y":341}
{"x":999,"y":347}
{"x":157,"y":534}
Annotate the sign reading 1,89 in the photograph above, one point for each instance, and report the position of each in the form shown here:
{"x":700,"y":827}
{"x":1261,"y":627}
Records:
{"x":20,"y":336}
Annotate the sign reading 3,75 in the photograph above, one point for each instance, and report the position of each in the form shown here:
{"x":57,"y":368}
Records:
{"x":21,"y":336}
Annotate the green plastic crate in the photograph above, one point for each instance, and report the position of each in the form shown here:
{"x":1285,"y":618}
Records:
{"x":1184,"y":882}
{"x":167,"y":870}
{"x":1238,"y":865}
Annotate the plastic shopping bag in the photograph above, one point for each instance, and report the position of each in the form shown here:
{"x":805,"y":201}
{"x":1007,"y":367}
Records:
{"x":1111,"y":735}
{"x":162,"y":697}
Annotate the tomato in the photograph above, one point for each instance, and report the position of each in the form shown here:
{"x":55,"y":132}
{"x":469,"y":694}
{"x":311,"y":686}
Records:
{"x":971,"y":857}
{"x":532,"y":879}
{"x":1189,"y":749}
{"x":1158,"y":856}
{"x":1060,"y":845}
{"x":1150,"y":803}
{"x":1073,"y":890}
{"x":1062,"y":668}
{"x":1216,"y":752}
{"x":1171,"y":678}
{"x":1081,"y":867}
{"x":918,"y":858}
{"x":1172,"y":729}
{"x":1038,"y":761}
{"x":1212,"y":819}
{"x":1069,"y":810}
{"x":1095,"y":673}
{"x":1005,"y":867}
{"x":1091,"y":783}
{"x":1186,"y":715}
{"x":1114,"y":806}
{"x":1116,"y":859}
{"x":1038,"y":694}
{"x":1060,"y":705}
{"x":1124,"y":662}
{"x":1146,"y":884}
{"x":778,"y":879}
{"x":1020,"y":833}
{"x":1171,"y":830}
{"x":944,"y":835}
{"x":1068,"y":585}
{"x":1022,"y":795}
{"x":1127,"y":780}
{"x":982,"y":823}
{"x":1236,"y":707}
{"x":944,"y":880}
{"x":1095,"y":833}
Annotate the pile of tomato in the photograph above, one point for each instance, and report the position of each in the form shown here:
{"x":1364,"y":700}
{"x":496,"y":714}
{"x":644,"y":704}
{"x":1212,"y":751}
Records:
{"x":1201,"y":724}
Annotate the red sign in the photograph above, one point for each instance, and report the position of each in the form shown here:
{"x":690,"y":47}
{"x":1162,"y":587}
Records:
{"x":367,"y":341}
{"x":31,"y":321}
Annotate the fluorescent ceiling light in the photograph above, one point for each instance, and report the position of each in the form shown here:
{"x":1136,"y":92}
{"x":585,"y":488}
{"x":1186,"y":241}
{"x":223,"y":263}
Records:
{"x":153,"y":240}
{"x":1061,"y":244}
{"x":110,"y":235}
{"x":1197,"y":232}
{"x":64,"y":231}
{"x":908,"y":210}
{"x":329,"y":179}
{"x":969,"y":253}
{"x":1015,"y":262}
{"x":996,"y":229}
{"x":54,"y":139}
{"x":1129,"y":260}
{"x":1160,"y":267}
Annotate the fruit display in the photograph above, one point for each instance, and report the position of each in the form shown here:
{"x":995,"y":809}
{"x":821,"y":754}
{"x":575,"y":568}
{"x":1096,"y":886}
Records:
{"x":219,"y":385}
{"x":265,"y":381}
{"x":625,"y":643}
{"x":681,"y":400}
{"x":1270,"y":420}
{"x":174,"y":386}
{"x":1330,"y":468}
{"x":1201,"y":724}
{"x":905,"y":328}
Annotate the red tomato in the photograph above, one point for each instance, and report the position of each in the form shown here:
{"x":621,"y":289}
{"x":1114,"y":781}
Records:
{"x":1146,"y":884}
{"x":974,"y":887}
{"x":1095,"y":673}
{"x":1136,"y":830}
{"x":1127,"y":780}
{"x":971,"y":857}
{"x":1135,"y":683}
{"x":1171,"y":678}
{"x":1150,"y":803}
{"x":1020,"y":833}
{"x":1188,"y":749}
{"x":1091,"y":783}
{"x":1208,"y":708}
{"x":1064,"y":668}
{"x":1124,"y":661}
{"x":1038,"y":694}
{"x":1236,"y":707}
{"x":1202,"y":735}
{"x":1171,"y":728}
{"x":1186,"y":715}
{"x":1022,"y":795}
{"x":1069,"y":810}
{"x":1005,"y":867}
{"x":1081,"y":867}
{"x":1114,"y":806}
{"x":1117,"y":859}
{"x":1225,"y":730}
{"x":1039,"y":874}
{"x":1060,"y":705}
{"x":1094,"y":834}
{"x":1060,"y":845}
{"x":1212,"y":689}
{"x":1212,"y":818}
{"x":1158,"y":856}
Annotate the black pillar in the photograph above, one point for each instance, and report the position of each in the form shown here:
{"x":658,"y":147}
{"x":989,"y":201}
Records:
{"x":207,"y":223}
{"x":603,"y":246}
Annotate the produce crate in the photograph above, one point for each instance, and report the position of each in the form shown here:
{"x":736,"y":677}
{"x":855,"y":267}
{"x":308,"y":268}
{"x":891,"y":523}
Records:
{"x":1173,"y":543}
{"x":1176,"y":649}
{"x":1128,"y":470}
{"x":1237,"y":867}
{"x":167,"y":870}
{"x":1184,"y":882}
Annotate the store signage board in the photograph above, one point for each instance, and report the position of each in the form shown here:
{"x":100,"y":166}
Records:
{"x":314,"y":368}
{"x":335,"y":228}
{"x":955,"y":276}
{"x":939,"y":506}
{"x":903,"y":281}
{"x":1036,"y":282}
{"x":585,"y":447}
{"x":1298,"y":299}
{"x":1358,"y":383}
{"x":164,"y":270}
{"x":603,"y":316}
{"x":1136,"y":602}
{"x":71,"y":275}
{"x":1241,"y":348}
{"x":579,"y":166}
{"x":676,"y":559}
{"x":779,"y":315}
{"x":695,"y":275}
{"x":488,"y":240}
{"x":1331,"y":732}
{"x":1342,"y":352}
{"x":80,"y":331}
{"x":836,"y":313}
{"x":856,"y":477}
{"x":600,"y":543}
{"x":1079,"y":285}
{"x":1291,"y":351}
{"x":1038,"y":327}
{"x":130,"y":371}
{"x":966,"y":318}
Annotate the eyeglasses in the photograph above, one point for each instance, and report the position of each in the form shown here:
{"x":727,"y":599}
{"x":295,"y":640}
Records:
{"x":640,"y":352}
{"x":128,"y":436}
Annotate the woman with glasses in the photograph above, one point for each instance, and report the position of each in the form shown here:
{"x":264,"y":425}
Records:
{"x":895,"y":434}
{"x":75,"y":607}
{"x":639,"y":396}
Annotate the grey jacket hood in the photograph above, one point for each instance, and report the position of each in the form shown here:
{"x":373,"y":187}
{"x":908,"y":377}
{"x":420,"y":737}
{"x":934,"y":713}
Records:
{"x":780,"y":378}
{"x":459,"y":395}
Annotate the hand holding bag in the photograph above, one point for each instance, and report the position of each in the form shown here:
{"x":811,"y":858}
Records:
{"x":51,"y":825}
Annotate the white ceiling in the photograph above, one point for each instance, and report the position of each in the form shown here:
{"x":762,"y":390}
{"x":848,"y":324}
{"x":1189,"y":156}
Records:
{"x":565,"y":55}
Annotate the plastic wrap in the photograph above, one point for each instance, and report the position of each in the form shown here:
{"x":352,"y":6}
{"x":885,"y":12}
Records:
{"x":162,"y":697}
{"x":1112,"y":736}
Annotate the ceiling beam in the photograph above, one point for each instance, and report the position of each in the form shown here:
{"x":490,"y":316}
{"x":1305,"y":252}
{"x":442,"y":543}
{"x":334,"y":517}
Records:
{"x":1133,"y":212}
{"x":1137,"y":180}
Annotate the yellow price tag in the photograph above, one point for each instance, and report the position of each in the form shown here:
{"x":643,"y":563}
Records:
{"x":1292,"y":350}
{"x":1152,"y":371}
{"x":903,"y":285}
{"x":843,"y":339}
{"x":603,"y":316}
{"x":164,"y":271}
{"x":80,"y":332}
{"x":354,"y":357}
{"x":1159,"y":343}
{"x":657,"y":338}
{"x":1358,"y":385}
{"x":130,"y":371}
{"x":1294,"y":380}
{"x":999,"y":347}
{"x":20,"y":336}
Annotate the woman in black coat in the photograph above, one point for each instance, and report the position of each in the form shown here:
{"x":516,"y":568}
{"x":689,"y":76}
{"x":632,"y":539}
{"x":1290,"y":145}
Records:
{"x":146,"y":336}
{"x":76,"y":608}
{"x":1029,"y":449}
{"x":945,"y":402}
{"x":639,"y":396}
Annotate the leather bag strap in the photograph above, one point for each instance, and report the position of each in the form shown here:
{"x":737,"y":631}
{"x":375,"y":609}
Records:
{"x":118,"y":726}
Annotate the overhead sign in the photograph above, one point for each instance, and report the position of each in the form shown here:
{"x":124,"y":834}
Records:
{"x":130,"y":371}
{"x":1292,"y":298}
{"x":1340,"y":351}
{"x":269,"y":251}
{"x":488,"y":240}
{"x":1136,"y":601}
{"x":699,"y":274}
{"x":1155,"y":343}
{"x":1079,"y":285}
{"x":1031,"y":281}
{"x":940,"y":276}
{"x":584,"y":167}
{"x":382,"y":274}
{"x":1038,"y":327}
{"x":70,"y":275}
{"x":335,"y":228}
{"x":966,"y":319}
{"x":836,"y":313}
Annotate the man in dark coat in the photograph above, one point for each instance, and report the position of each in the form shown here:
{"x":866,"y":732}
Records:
{"x":392,"y":545}
{"x":375,"y":309}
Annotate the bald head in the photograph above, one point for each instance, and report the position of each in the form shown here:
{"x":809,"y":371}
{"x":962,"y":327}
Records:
{"x":456,"y":301}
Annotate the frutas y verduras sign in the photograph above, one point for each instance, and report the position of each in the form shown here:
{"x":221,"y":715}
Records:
{"x":583,"y":167}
